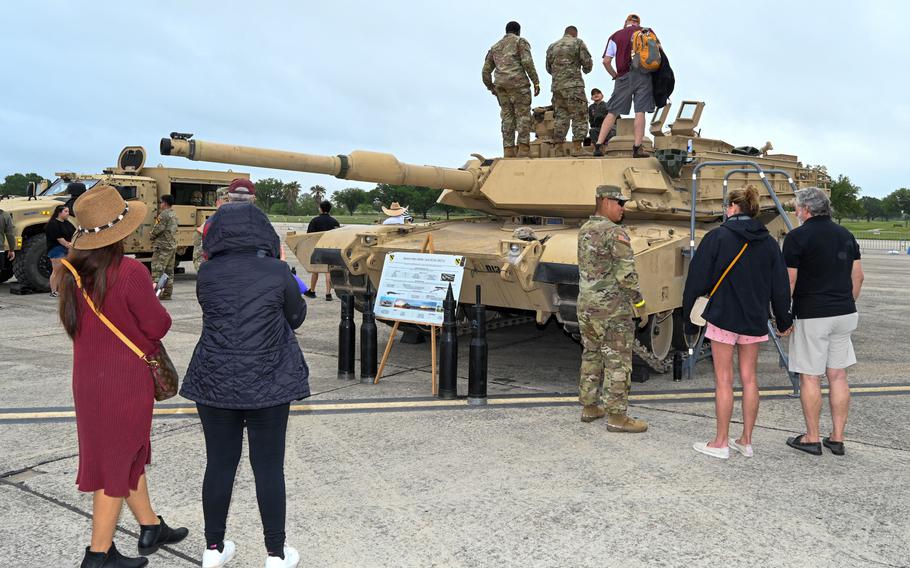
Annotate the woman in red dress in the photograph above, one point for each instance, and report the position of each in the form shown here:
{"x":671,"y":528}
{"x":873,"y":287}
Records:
{"x":112,"y":387}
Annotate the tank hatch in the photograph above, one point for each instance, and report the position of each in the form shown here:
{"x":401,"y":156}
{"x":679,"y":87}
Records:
{"x":131,"y":159}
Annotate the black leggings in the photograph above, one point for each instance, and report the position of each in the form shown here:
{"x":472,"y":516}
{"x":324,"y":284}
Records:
{"x":223,"y":430}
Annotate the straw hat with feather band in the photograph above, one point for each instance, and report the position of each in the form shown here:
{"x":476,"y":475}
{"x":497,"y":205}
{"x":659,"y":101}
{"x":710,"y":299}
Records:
{"x":105,"y":218}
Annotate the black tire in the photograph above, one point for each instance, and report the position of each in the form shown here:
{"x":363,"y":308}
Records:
{"x":32,"y":267}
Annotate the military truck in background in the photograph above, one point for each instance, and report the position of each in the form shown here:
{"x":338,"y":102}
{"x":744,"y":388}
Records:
{"x":194,"y":202}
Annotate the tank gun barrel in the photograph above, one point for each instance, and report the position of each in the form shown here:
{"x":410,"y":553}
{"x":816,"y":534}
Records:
{"x":359,"y":165}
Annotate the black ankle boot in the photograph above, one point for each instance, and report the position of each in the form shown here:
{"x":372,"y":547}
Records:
{"x":153,"y":536}
{"x":637,"y":152}
{"x":598,"y":150}
{"x":111,"y":559}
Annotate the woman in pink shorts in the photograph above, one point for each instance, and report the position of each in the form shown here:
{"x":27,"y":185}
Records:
{"x":737,"y":313}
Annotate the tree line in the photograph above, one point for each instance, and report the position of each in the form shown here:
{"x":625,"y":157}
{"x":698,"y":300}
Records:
{"x":847,"y":203}
{"x":17,"y":184}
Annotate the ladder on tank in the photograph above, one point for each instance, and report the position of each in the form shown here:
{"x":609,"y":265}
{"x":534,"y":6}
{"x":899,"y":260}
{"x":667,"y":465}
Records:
{"x":743,"y":167}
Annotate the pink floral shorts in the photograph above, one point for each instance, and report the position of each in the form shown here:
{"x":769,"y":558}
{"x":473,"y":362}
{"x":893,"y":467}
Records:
{"x":715,"y":333}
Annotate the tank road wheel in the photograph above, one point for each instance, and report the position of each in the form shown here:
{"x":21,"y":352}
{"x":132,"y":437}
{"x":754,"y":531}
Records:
{"x":657,"y":335}
{"x":32,"y":267}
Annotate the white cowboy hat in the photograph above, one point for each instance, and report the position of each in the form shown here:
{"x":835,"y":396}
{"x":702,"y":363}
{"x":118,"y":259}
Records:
{"x":395,"y":210}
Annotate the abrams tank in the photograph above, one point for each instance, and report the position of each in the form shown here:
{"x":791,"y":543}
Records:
{"x":675,"y":197}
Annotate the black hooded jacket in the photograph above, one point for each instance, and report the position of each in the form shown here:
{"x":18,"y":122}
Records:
{"x":248,"y":356}
{"x":663,"y":81}
{"x":758,"y":279}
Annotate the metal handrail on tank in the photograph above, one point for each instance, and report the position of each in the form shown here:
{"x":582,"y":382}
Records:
{"x":753,"y":168}
{"x":790,"y":181}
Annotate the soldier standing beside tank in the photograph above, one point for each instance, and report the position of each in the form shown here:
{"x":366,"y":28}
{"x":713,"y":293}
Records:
{"x":567,"y":58}
{"x":608,"y":288}
{"x":198,"y":252}
{"x":164,"y":244}
{"x":511,"y":58}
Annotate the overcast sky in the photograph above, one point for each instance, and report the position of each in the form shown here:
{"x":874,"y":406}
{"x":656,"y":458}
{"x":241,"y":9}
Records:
{"x":823,"y":80}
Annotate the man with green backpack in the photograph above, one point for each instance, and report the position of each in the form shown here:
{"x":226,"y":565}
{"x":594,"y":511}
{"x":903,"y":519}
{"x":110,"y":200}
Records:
{"x":636,"y":53}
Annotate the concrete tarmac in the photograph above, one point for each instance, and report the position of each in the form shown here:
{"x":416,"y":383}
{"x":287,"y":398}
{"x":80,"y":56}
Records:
{"x":380,"y":475}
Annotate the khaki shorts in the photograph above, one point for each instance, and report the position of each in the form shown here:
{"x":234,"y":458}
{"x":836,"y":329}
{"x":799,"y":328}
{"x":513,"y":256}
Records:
{"x":822,"y":343}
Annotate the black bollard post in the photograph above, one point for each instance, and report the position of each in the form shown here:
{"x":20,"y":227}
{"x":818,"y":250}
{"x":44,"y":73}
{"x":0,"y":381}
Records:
{"x":477,"y":366}
{"x":346,"y":333}
{"x":677,"y":366}
{"x":368,"y":348}
{"x":448,"y":350}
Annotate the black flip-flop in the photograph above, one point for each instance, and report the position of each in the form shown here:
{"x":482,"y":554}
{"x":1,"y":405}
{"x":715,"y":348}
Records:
{"x":837,"y":448}
{"x":796,"y":442}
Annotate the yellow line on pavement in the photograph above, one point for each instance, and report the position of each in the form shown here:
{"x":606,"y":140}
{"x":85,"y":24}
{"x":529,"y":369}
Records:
{"x":494,"y":401}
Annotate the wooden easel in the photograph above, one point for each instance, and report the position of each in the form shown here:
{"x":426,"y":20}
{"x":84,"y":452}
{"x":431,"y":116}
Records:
{"x":427,"y":247}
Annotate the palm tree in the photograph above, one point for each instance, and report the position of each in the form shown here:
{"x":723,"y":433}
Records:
{"x":317,"y":192}
{"x":291,"y":191}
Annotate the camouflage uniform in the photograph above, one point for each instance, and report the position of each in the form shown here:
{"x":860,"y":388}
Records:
{"x":511,"y":58}
{"x":198,"y":251}
{"x":566,"y":59}
{"x":8,"y":238}
{"x":7,"y":232}
{"x":198,"y":257}
{"x":608,"y":287}
{"x":164,"y":249}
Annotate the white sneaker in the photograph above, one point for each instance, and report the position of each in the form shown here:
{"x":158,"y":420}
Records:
{"x":722,"y":453}
{"x":215,"y":559}
{"x":744,"y":449}
{"x":291,"y":559}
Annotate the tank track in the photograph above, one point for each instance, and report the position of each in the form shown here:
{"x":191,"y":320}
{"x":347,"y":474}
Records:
{"x":657,"y":365}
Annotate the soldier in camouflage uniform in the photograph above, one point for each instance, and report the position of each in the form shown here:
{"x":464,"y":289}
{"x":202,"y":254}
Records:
{"x":511,"y":58}
{"x":164,"y":244}
{"x":608,"y":288}
{"x":566,"y":60}
{"x":198,"y":252}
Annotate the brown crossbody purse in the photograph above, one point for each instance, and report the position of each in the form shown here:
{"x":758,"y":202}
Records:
{"x":164,"y":374}
{"x":696,"y":316}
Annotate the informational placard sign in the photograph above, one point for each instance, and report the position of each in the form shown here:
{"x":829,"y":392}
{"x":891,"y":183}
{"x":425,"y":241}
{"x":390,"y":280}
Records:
{"x":413,"y":286}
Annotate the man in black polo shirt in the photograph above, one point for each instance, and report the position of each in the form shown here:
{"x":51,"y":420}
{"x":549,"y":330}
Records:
{"x":322,"y":222}
{"x":826,"y":275}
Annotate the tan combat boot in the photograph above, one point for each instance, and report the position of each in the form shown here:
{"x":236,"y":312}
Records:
{"x":524,"y":150}
{"x":508,"y":152}
{"x":592,"y":412}
{"x":576,"y":148}
{"x":625,"y":423}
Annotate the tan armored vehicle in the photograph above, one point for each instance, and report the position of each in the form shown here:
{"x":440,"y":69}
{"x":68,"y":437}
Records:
{"x":552,"y":196}
{"x":193,"y":191}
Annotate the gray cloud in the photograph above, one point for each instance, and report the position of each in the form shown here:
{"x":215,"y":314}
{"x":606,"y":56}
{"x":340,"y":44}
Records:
{"x":818,"y":79}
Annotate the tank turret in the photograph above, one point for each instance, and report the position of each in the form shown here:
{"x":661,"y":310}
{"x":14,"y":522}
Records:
{"x":675,"y":197}
{"x":658,"y":187}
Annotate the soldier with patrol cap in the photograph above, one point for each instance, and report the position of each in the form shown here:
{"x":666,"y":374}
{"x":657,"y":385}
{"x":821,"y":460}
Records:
{"x":511,"y":58}
{"x":567,"y":58}
{"x":164,"y":244}
{"x":608,"y":289}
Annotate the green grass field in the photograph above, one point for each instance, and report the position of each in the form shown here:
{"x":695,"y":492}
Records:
{"x":354,"y":219}
{"x":878,"y":229}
